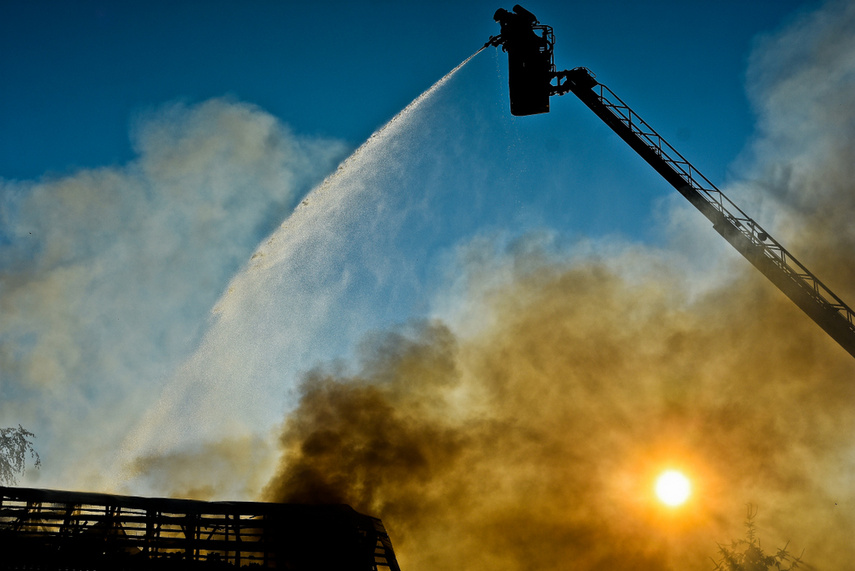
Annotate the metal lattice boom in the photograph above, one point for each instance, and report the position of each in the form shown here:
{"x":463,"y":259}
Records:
{"x":743,"y":233}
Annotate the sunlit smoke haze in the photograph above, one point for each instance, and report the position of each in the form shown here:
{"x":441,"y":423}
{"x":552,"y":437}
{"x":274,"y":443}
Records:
{"x":539,"y":438}
{"x":107,"y":275}
{"x":527,"y":432}
{"x":802,"y":84}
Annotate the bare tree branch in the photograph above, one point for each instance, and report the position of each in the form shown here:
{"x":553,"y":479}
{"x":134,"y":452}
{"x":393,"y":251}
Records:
{"x":15,"y":446}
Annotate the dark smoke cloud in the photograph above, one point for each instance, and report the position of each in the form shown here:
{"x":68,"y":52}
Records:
{"x":535,"y":443}
{"x":527,"y":434}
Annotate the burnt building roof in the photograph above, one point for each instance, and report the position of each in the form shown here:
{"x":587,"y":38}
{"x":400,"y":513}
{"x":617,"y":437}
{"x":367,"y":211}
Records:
{"x":51,"y":530}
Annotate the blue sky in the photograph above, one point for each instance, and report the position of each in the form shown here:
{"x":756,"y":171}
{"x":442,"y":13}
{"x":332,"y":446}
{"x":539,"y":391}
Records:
{"x":78,"y":77}
{"x":181,"y":245}
{"x":76,"y":74}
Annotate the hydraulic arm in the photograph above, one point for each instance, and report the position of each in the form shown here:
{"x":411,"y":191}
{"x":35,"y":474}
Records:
{"x":742,"y":232}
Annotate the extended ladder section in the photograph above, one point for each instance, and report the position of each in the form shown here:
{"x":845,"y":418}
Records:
{"x":743,"y":233}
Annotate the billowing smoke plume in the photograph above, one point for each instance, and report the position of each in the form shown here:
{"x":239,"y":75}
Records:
{"x":107,"y":276}
{"x":527,"y":433}
{"x":538,"y":439}
{"x":801,"y":84}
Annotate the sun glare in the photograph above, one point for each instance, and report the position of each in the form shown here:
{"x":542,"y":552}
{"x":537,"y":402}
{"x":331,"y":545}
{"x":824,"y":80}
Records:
{"x":673,"y":488}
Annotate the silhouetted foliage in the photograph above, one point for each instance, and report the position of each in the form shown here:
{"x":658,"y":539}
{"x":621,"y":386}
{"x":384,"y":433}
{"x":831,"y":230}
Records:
{"x":747,"y":554}
{"x":15,"y":446}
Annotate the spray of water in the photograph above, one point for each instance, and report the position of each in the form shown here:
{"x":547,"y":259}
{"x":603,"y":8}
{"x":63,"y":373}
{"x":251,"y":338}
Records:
{"x":399,"y":119}
{"x":277,"y":246}
{"x":307,"y":293}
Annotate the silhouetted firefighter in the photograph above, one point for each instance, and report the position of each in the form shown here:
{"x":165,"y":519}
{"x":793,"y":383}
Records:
{"x":529,"y":59}
{"x":48,"y":530}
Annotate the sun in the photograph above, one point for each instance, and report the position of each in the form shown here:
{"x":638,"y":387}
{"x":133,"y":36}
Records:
{"x":673,"y":488}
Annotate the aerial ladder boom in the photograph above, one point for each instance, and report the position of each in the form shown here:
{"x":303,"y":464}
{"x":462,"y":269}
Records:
{"x":741,"y":231}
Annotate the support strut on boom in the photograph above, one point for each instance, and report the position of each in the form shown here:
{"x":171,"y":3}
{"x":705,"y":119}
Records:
{"x":532,"y":80}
